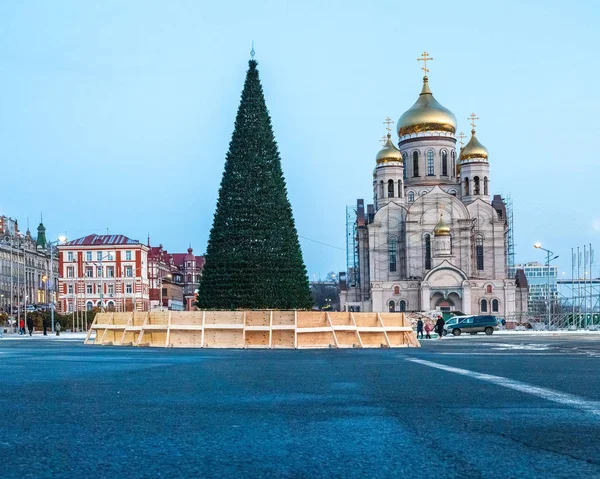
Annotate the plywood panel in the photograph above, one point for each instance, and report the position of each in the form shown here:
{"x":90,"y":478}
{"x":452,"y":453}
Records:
{"x":139,"y":318}
{"x":130,"y":337}
{"x":185,"y":339}
{"x":284,"y":318}
{"x":257,"y":339}
{"x":373,"y":340}
{"x":316,"y":340}
{"x":122,"y":318}
{"x":191,"y":318}
{"x":224,"y":317}
{"x":312,"y":319}
{"x":154,"y":338}
{"x":258,"y":318}
{"x":347,"y":339}
{"x":282,"y":338}
{"x":393,"y":319}
{"x":397,"y":339}
{"x":158,"y":318}
{"x":224,"y":338}
{"x":366,"y":320}
{"x":341,"y":319}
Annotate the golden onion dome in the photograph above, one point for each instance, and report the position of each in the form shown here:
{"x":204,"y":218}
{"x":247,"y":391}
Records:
{"x":474,"y":150}
{"x":426,"y":115}
{"x":441,"y":229}
{"x":388,"y":153}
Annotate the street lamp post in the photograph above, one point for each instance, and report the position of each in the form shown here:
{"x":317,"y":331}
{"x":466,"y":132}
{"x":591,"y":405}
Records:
{"x":548,"y":254}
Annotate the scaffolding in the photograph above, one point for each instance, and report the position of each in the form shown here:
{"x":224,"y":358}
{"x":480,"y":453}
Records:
{"x":510,"y":238}
{"x":352,"y":261}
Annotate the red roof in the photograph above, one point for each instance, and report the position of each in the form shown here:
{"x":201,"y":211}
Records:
{"x":101,"y":240}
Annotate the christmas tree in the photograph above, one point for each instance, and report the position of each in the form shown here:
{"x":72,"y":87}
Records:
{"x":253,"y":258}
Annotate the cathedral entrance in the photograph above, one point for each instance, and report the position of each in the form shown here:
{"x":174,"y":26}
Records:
{"x":446,"y":301}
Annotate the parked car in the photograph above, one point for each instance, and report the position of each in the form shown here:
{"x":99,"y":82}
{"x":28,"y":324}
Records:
{"x":30,"y":308}
{"x":472,"y":324}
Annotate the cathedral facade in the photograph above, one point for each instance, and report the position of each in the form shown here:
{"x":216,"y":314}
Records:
{"x":434,"y":237}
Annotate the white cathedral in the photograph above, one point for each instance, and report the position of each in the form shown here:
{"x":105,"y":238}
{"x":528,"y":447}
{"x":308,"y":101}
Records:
{"x":433,"y":239}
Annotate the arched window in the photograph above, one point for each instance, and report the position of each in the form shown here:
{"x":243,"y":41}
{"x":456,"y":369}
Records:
{"x":484,"y":305}
{"x":476,"y":185}
{"x":390,"y":188}
{"x":488,"y":289}
{"x":430,"y":169}
{"x":400,"y":189}
{"x":453,"y":163}
{"x":392,"y":245}
{"x":427,"y":252}
{"x":485,"y":185}
{"x":444,"y":163}
{"x":415,"y":163}
{"x":391,"y":306}
{"x":466,"y":186}
{"x":479,"y":252}
{"x":411,"y":196}
{"x":110,"y":306}
{"x":495,"y":306}
{"x":402,"y":306}
{"x":381,"y":189}
{"x":405,"y":164}
{"x":396,"y":289}
{"x":453,"y":192}
{"x":89,"y":305}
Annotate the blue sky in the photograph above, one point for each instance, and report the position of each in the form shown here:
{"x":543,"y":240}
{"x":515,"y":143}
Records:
{"x":118,"y":114}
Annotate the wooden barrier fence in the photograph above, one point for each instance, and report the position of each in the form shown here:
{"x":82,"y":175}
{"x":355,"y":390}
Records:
{"x":253,"y":329}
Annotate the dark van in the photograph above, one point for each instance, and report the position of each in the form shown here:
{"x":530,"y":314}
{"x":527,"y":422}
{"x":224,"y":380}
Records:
{"x":473,"y":325}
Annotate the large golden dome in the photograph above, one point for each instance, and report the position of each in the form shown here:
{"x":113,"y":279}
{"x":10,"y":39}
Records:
{"x":474,"y":150}
{"x":388,"y":153}
{"x":441,"y":229}
{"x":426,"y":115}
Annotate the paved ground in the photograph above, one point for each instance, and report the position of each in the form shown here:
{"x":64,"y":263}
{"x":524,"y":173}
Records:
{"x":475,"y":406}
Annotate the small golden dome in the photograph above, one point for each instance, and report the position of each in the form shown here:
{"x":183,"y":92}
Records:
{"x":388,"y":153}
{"x":426,"y":115}
{"x":441,"y":229}
{"x":474,"y":150}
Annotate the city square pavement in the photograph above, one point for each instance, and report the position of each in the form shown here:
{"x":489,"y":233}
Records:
{"x":475,"y":406}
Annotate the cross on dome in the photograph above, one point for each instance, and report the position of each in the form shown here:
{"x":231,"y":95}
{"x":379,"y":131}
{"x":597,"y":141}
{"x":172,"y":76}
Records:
{"x":388,"y":121}
{"x":472,"y":118}
{"x":425,"y":58}
{"x":461,"y":139}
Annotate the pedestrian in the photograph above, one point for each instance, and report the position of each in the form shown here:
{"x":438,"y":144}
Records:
{"x":420,"y":328}
{"x":440,"y":326}
{"x":57,"y":327}
{"x":21,"y":326}
{"x":46,"y":325}
{"x":30,"y":325}
{"x":428,"y":329}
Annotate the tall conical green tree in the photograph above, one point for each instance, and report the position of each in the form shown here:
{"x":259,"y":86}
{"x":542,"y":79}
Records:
{"x":253,"y":258}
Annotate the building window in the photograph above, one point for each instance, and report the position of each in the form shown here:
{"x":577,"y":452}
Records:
{"x":381,"y":189}
{"x":89,"y":272}
{"x":70,"y":272}
{"x":111,"y":289}
{"x":99,"y":255}
{"x":479,"y":253}
{"x":400,"y":189}
{"x":485,"y":185}
{"x":128,"y":271}
{"x":404,"y":164}
{"x":476,"y":185}
{"x":427,"y":252}
{"x":402,"y":306}
{"x":100,"y":289}
{"x":110,"y":271}
{"x":128,"y":288}
{"x":99,"y":271}
{"x":70,"y":289}
{"x":453,"y":163}
{"x":128,"y":255}
{"x":391,"y":306}
{"x":396,"y":289}
{"x":110,"y":256}
{"x":444,"y":163}
{"x":415,"y":163}
{"x":466,"y":186}
{"x":495,"y":305}
{"x":411,"y":197}
{"x":89,"y":305}
{"x":89,"y":289}
{"x":453,"y":192}
{"x":88,"y":256}
{"x":390,"y":190}
{"x":70,"y":256}
{"x":430,"y":170}
{"x":392,"y":243}
{"x":484,"y":306}
{"x":488,"y":289}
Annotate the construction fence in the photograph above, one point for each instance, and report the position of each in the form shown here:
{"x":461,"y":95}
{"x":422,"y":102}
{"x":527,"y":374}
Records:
{"x":253,"y":329}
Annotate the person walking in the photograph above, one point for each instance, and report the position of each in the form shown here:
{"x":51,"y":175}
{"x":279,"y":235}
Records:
{"x":420,"y":328}
{"x":428,"y":329}
{"x":440,"y":326}
{"x":45,"y":324}
{"x":21,"y":326}
{"x":57,"y":327}
{"x":30,"y":325}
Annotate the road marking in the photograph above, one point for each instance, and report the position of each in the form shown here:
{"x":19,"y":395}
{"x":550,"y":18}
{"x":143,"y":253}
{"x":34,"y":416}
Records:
{"x":558,"y":397}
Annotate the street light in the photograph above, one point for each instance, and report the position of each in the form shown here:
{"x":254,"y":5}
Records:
{"x":61,"y":239}
{"x":548,"y":254}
